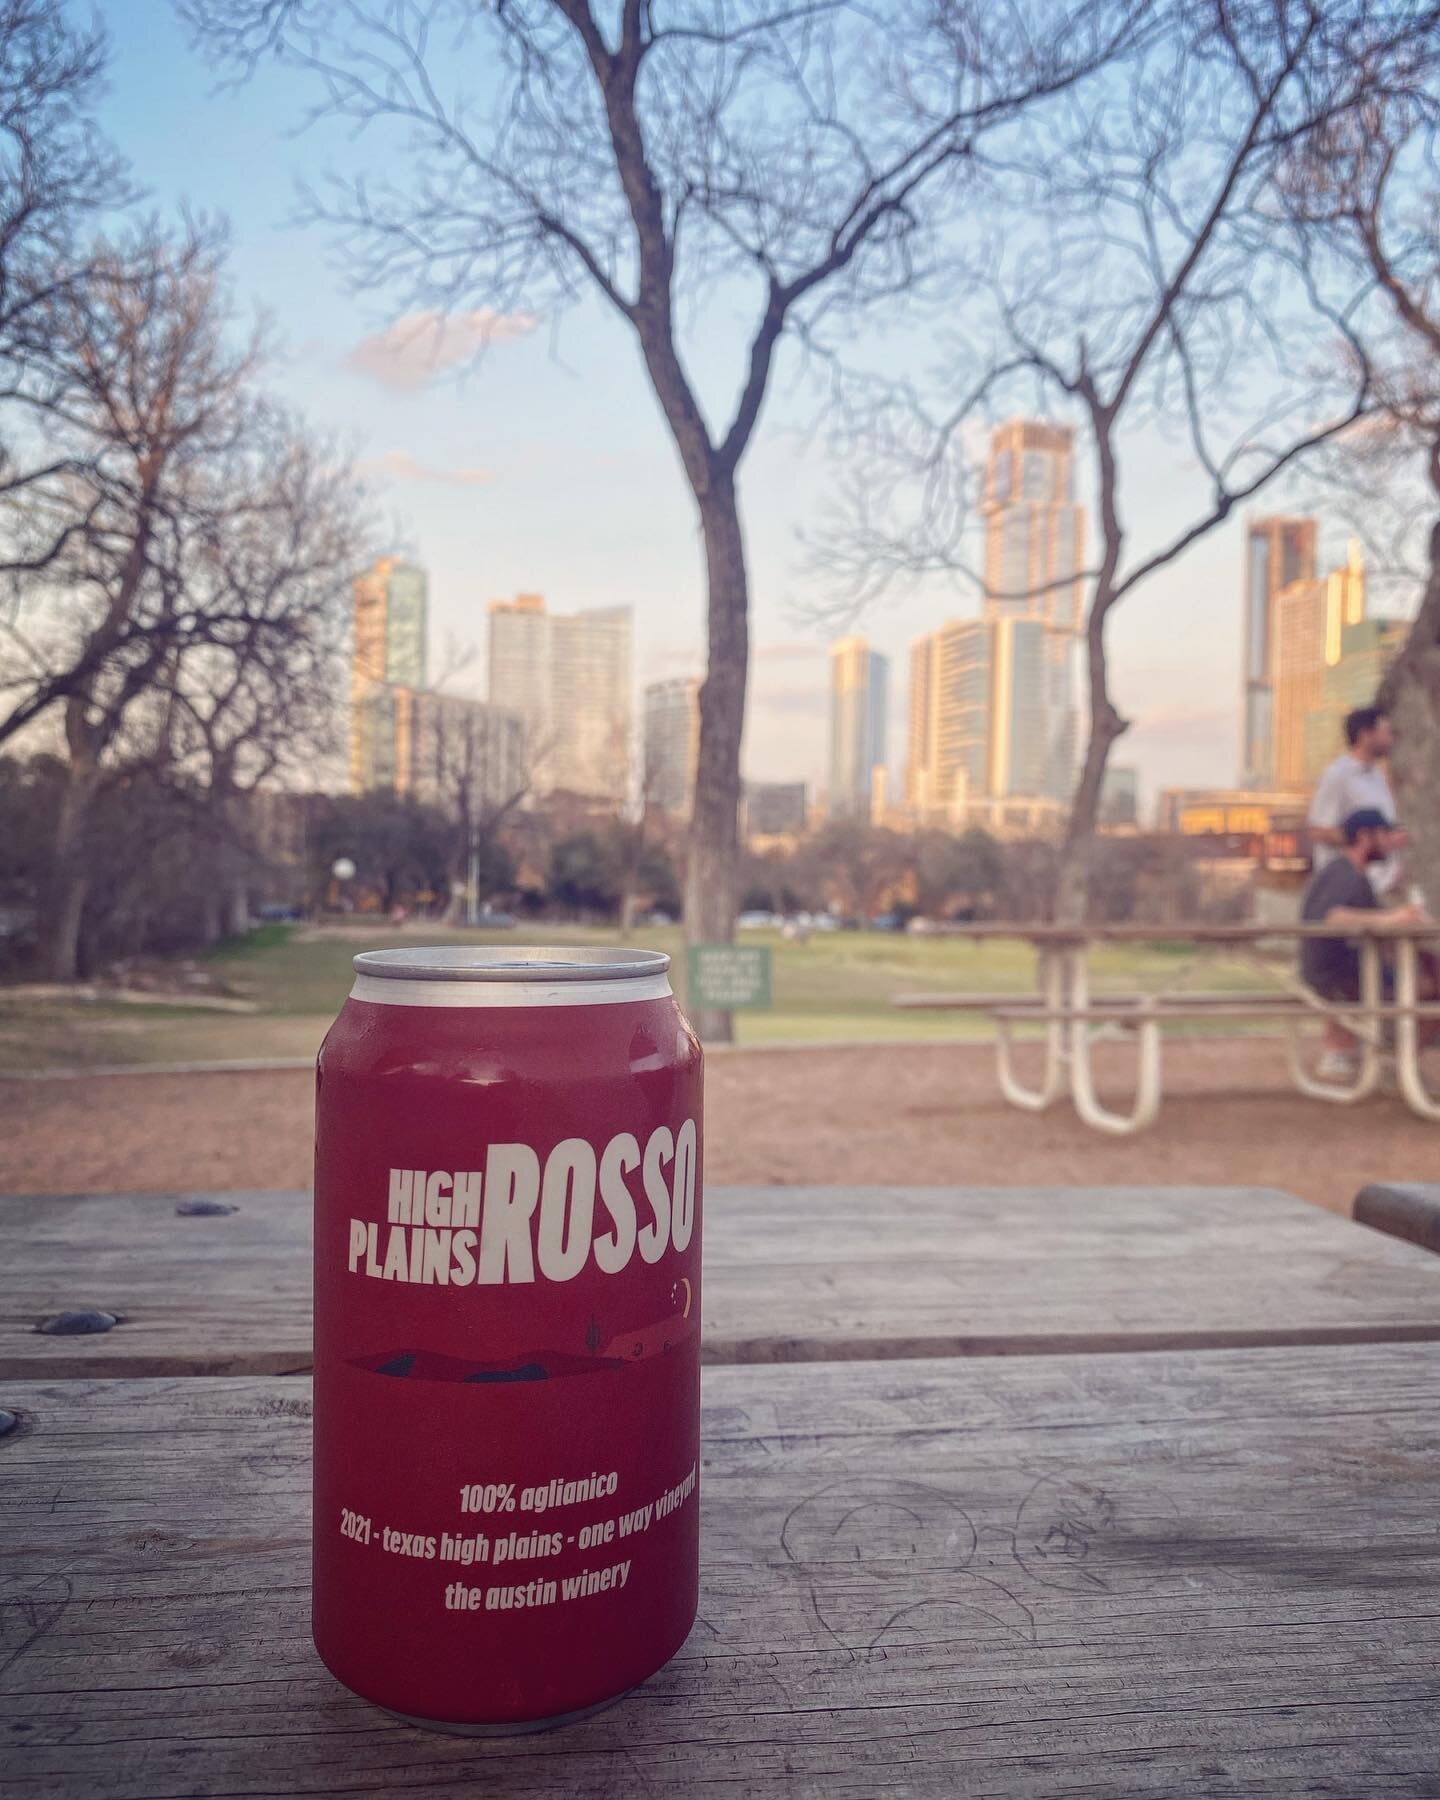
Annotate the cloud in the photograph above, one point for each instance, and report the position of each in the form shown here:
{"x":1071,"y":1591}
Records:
{"x":420,"y":346}
{"x":400,"y":465}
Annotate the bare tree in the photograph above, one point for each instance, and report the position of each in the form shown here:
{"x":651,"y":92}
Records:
{"x":94,"y":634}
{"x":472,"y":762}
{"x":1150,"y":285}
{"x":787,"y":153}
{"x":269,"y":538}
{"x":57,"y":174}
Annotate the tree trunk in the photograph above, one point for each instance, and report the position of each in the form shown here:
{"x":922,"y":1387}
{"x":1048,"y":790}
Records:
{"x":1072,"y":884}
{"x":713,"y":865}
{"x":210,"y":923}
{"x":1072,"y":888}
{"x":1411,"y":695}
{"x":237,"y":908}
{"x":70,"y":880}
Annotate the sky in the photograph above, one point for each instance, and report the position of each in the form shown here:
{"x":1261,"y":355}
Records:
{"x":545,"y":466}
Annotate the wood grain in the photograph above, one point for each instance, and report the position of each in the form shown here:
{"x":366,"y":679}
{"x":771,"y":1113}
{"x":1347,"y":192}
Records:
{"x":791,"y":1274}
{"x":1197,"y":1574}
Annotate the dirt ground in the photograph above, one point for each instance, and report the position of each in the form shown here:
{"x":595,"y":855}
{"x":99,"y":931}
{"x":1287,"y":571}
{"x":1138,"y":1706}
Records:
{"x":898,"y":1114}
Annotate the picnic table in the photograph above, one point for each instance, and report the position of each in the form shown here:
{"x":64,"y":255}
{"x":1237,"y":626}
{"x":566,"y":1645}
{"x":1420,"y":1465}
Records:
{"x":1178,"y":1539}
{"x":1070,"y":1011}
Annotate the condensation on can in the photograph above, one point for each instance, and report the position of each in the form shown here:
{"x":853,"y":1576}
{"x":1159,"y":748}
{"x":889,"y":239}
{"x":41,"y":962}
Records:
{"x":508,"y":1189}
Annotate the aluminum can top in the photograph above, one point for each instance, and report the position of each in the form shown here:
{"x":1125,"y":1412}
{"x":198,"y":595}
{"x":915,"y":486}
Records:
{"x":522,"y":975}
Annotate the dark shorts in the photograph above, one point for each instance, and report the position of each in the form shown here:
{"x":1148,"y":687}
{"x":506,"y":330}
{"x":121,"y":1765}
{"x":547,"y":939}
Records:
{"x":1336,"y":988}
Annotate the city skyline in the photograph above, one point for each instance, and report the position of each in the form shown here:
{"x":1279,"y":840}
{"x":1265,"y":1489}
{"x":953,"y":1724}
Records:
{"x":569,"y":484}
{"x":403,"y":734}
{"x":979,"y":743}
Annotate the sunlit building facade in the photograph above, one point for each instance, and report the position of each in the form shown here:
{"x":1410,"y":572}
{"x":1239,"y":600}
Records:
{"x":1279,"y":552}
{"x":1310,"y":620}
{"x":858,"y":682}
{"x":389,"y":651}
{"x":568,"y":678}
{"x":994,"y":701}
{"x":1034,"y":528}
{"x":671,"y":732}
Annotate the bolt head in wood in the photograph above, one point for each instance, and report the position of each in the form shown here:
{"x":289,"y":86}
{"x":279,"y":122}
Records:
{"x":83,"y":1322}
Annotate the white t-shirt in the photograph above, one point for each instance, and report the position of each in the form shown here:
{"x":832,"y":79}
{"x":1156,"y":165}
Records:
{"x":1346,"y":786}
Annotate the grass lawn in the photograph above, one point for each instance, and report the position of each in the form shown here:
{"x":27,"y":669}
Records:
{"x":837,"y":986}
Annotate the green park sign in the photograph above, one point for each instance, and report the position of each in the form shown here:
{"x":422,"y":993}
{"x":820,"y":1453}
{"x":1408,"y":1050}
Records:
{"x":726,"y":977}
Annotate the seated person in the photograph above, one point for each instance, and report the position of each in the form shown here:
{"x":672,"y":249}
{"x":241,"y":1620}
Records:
{"x":1341,"y":894}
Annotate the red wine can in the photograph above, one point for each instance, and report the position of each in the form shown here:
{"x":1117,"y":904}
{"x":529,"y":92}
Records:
{"x":507,"y":1332}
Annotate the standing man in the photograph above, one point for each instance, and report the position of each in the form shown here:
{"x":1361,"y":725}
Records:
{"x":1356,"y":781}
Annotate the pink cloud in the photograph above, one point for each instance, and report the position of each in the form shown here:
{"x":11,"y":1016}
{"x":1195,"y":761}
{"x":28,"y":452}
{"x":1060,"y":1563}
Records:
{"x":419,"y":346}
{"x":400,"y":465}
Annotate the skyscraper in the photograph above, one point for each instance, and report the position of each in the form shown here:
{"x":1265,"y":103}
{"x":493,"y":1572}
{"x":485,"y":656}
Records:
{"x":1034,"y":600}
{"x":456,"y":751}
{"x":1311,"y":617}
{"x":519,"y":663}
{"x":1034,"y":530}
{"x":775,"y":809}
{"x":568,"y":677}
{"x":994,"y":701}
{"x":672,"y":738}
{"x":389,"y":652}
{"x":858,"y":680}
{"x":1033,"y":711}
{"x":1278,"y":552}
{"x":1120,"y":796}
{"x":948,"y":761}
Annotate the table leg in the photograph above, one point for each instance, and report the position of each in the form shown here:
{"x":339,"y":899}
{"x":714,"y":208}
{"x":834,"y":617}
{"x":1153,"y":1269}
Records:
{"x":1407,"y":1032}
{"x":1052,"y":995}
{"x":1368,"y":1076}
{"x":1082,"y":1083}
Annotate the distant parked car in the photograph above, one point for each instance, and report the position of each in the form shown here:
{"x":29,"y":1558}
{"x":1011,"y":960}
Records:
{"x":495,"y":921}
{"x":888,"y":921}
{"x":276,"y":914}
{"x":757,"y":921}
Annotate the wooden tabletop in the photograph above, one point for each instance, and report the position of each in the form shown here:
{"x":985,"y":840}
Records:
{"x":791,"y":1274}
{"x":1176,"y":1574}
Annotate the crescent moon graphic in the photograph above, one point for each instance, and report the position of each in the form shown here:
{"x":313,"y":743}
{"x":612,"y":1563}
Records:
{"x":685,"y":1283}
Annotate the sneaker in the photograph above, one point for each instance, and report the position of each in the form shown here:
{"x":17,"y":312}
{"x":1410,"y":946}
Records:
{"x":1339,"y":1065}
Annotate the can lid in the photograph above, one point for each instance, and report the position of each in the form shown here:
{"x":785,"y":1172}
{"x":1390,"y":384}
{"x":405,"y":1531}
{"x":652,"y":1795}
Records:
{"x":523,"y":962}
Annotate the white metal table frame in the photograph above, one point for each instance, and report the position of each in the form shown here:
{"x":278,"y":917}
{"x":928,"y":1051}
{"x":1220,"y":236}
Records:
{"x":1069,"y":1023}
